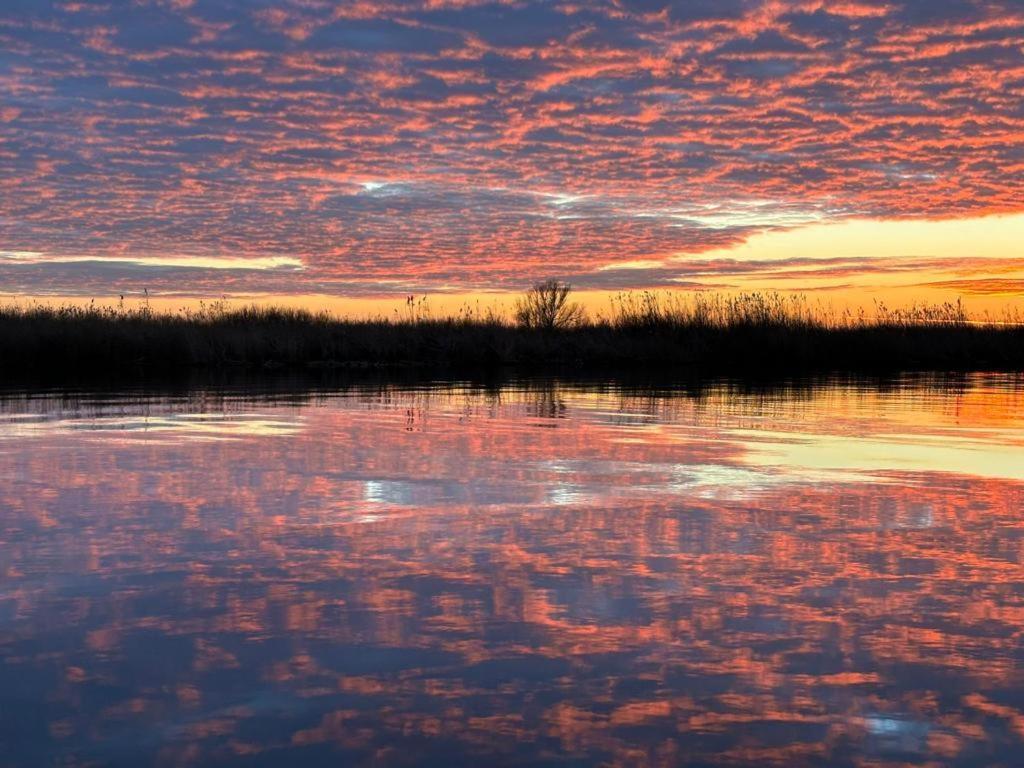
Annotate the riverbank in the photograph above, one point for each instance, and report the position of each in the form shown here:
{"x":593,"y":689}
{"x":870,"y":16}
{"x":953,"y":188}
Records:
{"x":772,"y":336}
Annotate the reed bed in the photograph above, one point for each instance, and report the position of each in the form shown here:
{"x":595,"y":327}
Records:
{"x":749,"y":333}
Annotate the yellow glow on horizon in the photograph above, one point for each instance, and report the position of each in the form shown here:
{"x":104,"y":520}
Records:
{"x":996,"y":237}
{"x":993,"y":244}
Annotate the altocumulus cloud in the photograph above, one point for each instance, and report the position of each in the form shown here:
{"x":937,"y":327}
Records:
{"x":481,"y":143}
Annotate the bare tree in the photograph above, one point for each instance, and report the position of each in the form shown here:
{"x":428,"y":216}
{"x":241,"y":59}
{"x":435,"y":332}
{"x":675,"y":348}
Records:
{"x":546,"y":306}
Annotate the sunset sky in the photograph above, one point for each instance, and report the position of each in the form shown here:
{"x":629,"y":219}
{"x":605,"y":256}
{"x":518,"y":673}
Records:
{"x":323,"y":152}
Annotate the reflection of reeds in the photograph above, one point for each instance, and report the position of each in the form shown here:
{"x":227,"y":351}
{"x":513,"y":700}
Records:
{"x":752,"y":332}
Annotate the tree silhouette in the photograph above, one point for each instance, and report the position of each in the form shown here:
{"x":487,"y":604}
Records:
{"x":546,"y":306}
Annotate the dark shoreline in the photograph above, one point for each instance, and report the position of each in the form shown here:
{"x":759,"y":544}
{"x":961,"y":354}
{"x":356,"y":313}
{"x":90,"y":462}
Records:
{"x":56,"y":346}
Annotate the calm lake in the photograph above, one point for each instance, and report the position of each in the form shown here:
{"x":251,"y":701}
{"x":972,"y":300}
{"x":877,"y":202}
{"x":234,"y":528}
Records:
{"x":542,"y":573}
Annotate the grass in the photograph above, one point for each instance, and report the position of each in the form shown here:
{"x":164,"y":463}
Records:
{"x":751,"y":333}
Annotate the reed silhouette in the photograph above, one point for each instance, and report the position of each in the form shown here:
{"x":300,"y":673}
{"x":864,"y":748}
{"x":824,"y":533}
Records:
{"x":745,"y":334}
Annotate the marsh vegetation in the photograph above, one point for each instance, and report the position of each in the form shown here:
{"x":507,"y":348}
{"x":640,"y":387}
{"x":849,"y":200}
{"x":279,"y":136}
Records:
{"x":742,"y":333}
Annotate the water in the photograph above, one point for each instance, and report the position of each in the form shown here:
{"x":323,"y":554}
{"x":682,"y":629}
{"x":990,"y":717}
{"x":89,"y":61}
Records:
{"x":543,"y":574}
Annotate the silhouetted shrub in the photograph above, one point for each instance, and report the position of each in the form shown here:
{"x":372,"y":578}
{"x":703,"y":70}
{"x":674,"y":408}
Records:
{"x":546,"y":306}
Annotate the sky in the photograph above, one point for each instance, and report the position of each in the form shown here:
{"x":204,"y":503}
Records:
{"x":359,"y":151}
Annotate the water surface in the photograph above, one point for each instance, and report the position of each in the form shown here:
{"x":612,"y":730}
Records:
{"x":534,"y":574}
